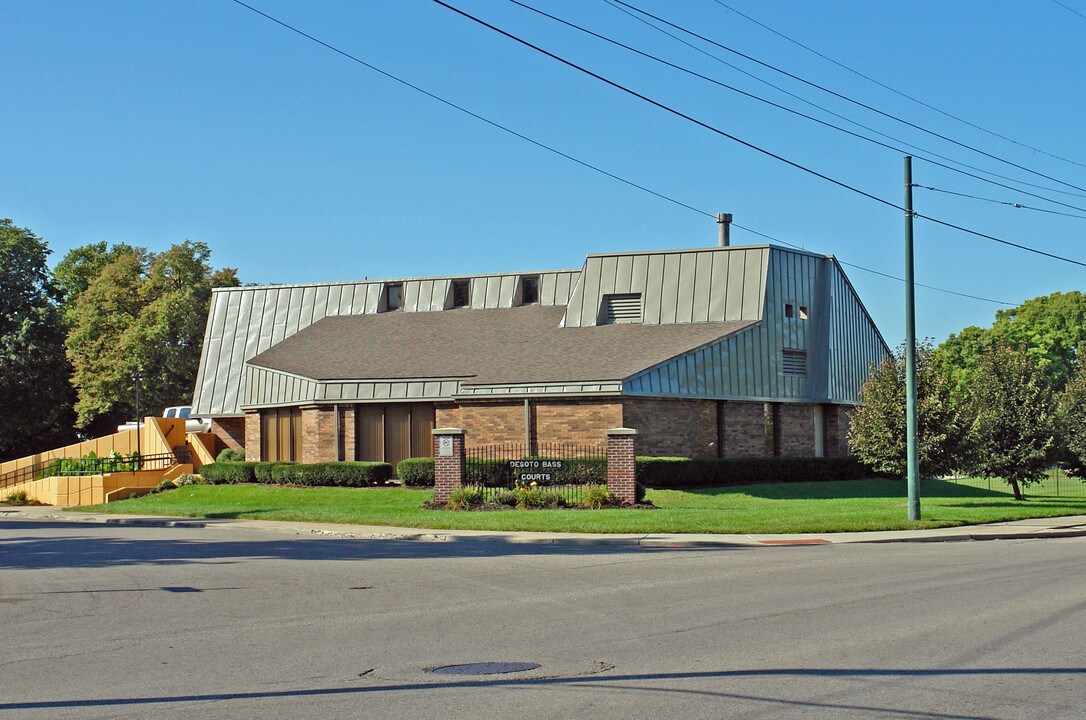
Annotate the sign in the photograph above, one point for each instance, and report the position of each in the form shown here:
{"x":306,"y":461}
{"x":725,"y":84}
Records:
{"x":538,"y":471}
{"x":445,"y":446}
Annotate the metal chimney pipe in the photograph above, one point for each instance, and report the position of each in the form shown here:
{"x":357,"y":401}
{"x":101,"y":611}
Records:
{"x":724,"y":222}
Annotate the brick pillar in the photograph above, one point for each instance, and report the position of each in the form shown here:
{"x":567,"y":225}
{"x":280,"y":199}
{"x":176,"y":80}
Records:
{"x":252,"y":436}
{"x":318,"y":433}
{"x":450,"y":465}
{"x":621,"y":466}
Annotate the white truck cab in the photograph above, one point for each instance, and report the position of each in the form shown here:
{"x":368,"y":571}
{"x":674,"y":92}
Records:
{"x":192,"y":424}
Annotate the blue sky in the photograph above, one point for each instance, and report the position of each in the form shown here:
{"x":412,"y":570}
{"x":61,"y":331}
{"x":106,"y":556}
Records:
{"x":153,"y":123}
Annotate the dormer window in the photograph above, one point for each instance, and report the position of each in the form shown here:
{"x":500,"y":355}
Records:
{"x":461,"y":293}
{"x":393,"y":296}
{"x":529,"y":289}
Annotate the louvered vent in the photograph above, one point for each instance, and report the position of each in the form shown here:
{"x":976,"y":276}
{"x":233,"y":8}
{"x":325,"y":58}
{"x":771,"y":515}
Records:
{"x":619,"y":309}
{"x":795,"y":363}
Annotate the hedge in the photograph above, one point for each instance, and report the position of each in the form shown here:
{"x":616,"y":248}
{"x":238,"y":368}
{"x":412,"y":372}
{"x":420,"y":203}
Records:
{"x":416,"y":472}
{"x":340,"y":474}
{"x":228,"y":473}
{"x":679,"y":473}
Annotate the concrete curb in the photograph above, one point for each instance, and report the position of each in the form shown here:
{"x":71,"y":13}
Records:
{"x":1033,"y":529}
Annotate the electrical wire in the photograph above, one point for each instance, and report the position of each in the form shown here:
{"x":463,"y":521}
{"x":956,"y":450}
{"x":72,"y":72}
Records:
{"x":923,"y":155}
{"x":582,"y":163}
{"x":752,"y":146}
{"x":998,"y":202}
{"x":877,"y":272}
{"x":848,"y":99}
{"x":1070,"y":9}
{"x":883,"y":85}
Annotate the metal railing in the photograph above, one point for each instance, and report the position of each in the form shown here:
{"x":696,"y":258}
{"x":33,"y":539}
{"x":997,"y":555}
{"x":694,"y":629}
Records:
{"x":79,"y":467}
{"x":565,"y":469}
{"x":1056,"y":483}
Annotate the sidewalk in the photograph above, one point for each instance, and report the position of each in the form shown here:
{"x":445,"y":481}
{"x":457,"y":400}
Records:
{"x":1034,"y":528}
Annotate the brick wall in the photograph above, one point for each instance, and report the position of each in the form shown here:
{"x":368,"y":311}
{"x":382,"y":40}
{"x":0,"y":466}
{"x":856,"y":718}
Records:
{"x":576,"y":421}
{"x":449,"y":470}
{"x":797,"y":436}
{"x":447,"y":415}
{"x":836,"y":425}
{"x":667,"y":426}
{"x":252,"y":436}
{"x":347,"y":432}
{"x":744,"y":429}
{"x":229,"y":432}
{"x":318,"y":433}
{"x":487,"y":423}
{"x":621,"y":464}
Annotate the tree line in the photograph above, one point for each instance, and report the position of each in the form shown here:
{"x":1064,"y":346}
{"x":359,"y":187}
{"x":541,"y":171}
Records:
{"x":1007,"y":401}
{"x":71,"y":338}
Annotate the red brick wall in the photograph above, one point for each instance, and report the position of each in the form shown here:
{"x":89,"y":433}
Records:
{"x":836,"y":425}
{"x":487,"y":423}
{"x":622,"y":467}
{"x":449,"y":470}
{"x":447,"y":415}
{"x":318,"y":433}
{"x":666,"y":426}
{"x":229,"y":432}
{"x":346,"y":431}
{"x":252,"y":436}
{"x":744,"y":429}
{"x":577,"y":421}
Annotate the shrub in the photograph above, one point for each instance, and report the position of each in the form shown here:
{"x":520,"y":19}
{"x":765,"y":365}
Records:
{"x":262,"y":471}
{"x":670,"y":472}
{"x":597,"y":496}
{"x":489,"y":473}
{"x":508,"y":498}
{"x":228,"y":455}
{"x":337,"y":474}
{"x":18,"y":497}
{"x":188,"y":479}
{"x":639,"y":492}
{"x":164,"y":486}
{"x":228,"y":473}
{"x":530,"y":497}
{"x":465,"y":498}
{"x":416,"y":472}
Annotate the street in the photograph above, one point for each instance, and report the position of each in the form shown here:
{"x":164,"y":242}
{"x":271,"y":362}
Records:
{"x":103,"y":621}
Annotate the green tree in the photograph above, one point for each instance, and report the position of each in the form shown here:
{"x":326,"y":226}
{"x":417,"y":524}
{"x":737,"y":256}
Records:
{"x":141,"y":311}
{"x":73,"y":275}
{"x":1051,"y":328}
{"x":1071,"y":420}
{"x":877,"y":428}
{"x":1011,"y":413}
{"x":35,"y":394}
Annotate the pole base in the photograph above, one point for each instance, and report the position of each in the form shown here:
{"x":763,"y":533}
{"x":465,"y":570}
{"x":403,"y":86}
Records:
{"x":914,"y":509}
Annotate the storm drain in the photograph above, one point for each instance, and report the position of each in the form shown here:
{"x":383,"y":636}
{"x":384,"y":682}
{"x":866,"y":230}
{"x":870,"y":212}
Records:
{"x":484,"y":668}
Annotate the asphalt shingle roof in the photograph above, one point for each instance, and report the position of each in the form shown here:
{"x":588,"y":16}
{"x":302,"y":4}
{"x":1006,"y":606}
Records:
{"x":483,"y":347}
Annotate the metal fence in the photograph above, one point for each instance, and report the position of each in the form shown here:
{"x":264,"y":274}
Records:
{"x":1056,"y":483}
{"x":77,"y":467}
{"x":562,"y":468}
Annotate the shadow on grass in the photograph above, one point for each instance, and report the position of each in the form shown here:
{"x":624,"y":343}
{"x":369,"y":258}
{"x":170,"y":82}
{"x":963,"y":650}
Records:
{"x":877,"y":488}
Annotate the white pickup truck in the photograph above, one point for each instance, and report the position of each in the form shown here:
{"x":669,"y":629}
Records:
{"x":192,"y":424}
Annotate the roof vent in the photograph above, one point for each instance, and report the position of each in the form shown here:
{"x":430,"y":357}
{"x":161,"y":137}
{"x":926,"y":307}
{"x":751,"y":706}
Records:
{"x":618,"y":309}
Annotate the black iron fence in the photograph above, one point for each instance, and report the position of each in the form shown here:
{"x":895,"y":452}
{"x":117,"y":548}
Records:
{"x":564,"y":469}
{"x":77,"y":467}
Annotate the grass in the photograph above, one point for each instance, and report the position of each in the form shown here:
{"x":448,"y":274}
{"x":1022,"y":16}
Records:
{"x":779,"y":508}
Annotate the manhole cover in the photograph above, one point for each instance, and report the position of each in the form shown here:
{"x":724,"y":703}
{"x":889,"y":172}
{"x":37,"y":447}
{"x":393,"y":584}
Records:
{"x":485,"y":668}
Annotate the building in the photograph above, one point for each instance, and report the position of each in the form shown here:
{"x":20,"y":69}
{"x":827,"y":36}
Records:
{"x":732,"y":351}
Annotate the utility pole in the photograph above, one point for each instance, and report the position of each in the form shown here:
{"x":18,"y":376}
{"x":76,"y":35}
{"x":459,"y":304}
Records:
{"x":912,"y":454}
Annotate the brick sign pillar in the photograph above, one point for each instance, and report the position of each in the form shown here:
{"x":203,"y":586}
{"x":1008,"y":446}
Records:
{"x":450,"y":466}
{"x":621,"y":466}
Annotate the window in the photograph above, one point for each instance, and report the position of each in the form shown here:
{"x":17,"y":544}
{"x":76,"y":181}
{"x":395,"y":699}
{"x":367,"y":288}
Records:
{"x":529,"y":290}
{"x":281,"y":435}
{"x":394,"y":296}
{"x":794,"y":363}
{"x":619,"y":309}
{"x":789,"y":310}
{"x":802,"y":312}
{"x":461,"y":292}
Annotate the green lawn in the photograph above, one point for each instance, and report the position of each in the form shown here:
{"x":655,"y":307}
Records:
{"x":780,"y":508}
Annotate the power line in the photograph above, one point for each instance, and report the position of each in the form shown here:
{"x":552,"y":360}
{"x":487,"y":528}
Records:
{"x":555,"y":151}
{"x":998,"y":202}
{"x":1070,"y":9}
{"x":848,"y":99}
{"x":752,"y":146}
{"x":792,"y":111}
{"x":877,"y":272}
{"x":899,"y":92}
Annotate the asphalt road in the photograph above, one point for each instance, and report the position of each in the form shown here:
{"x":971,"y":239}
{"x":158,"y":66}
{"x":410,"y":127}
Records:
{"x":124,"y":622}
